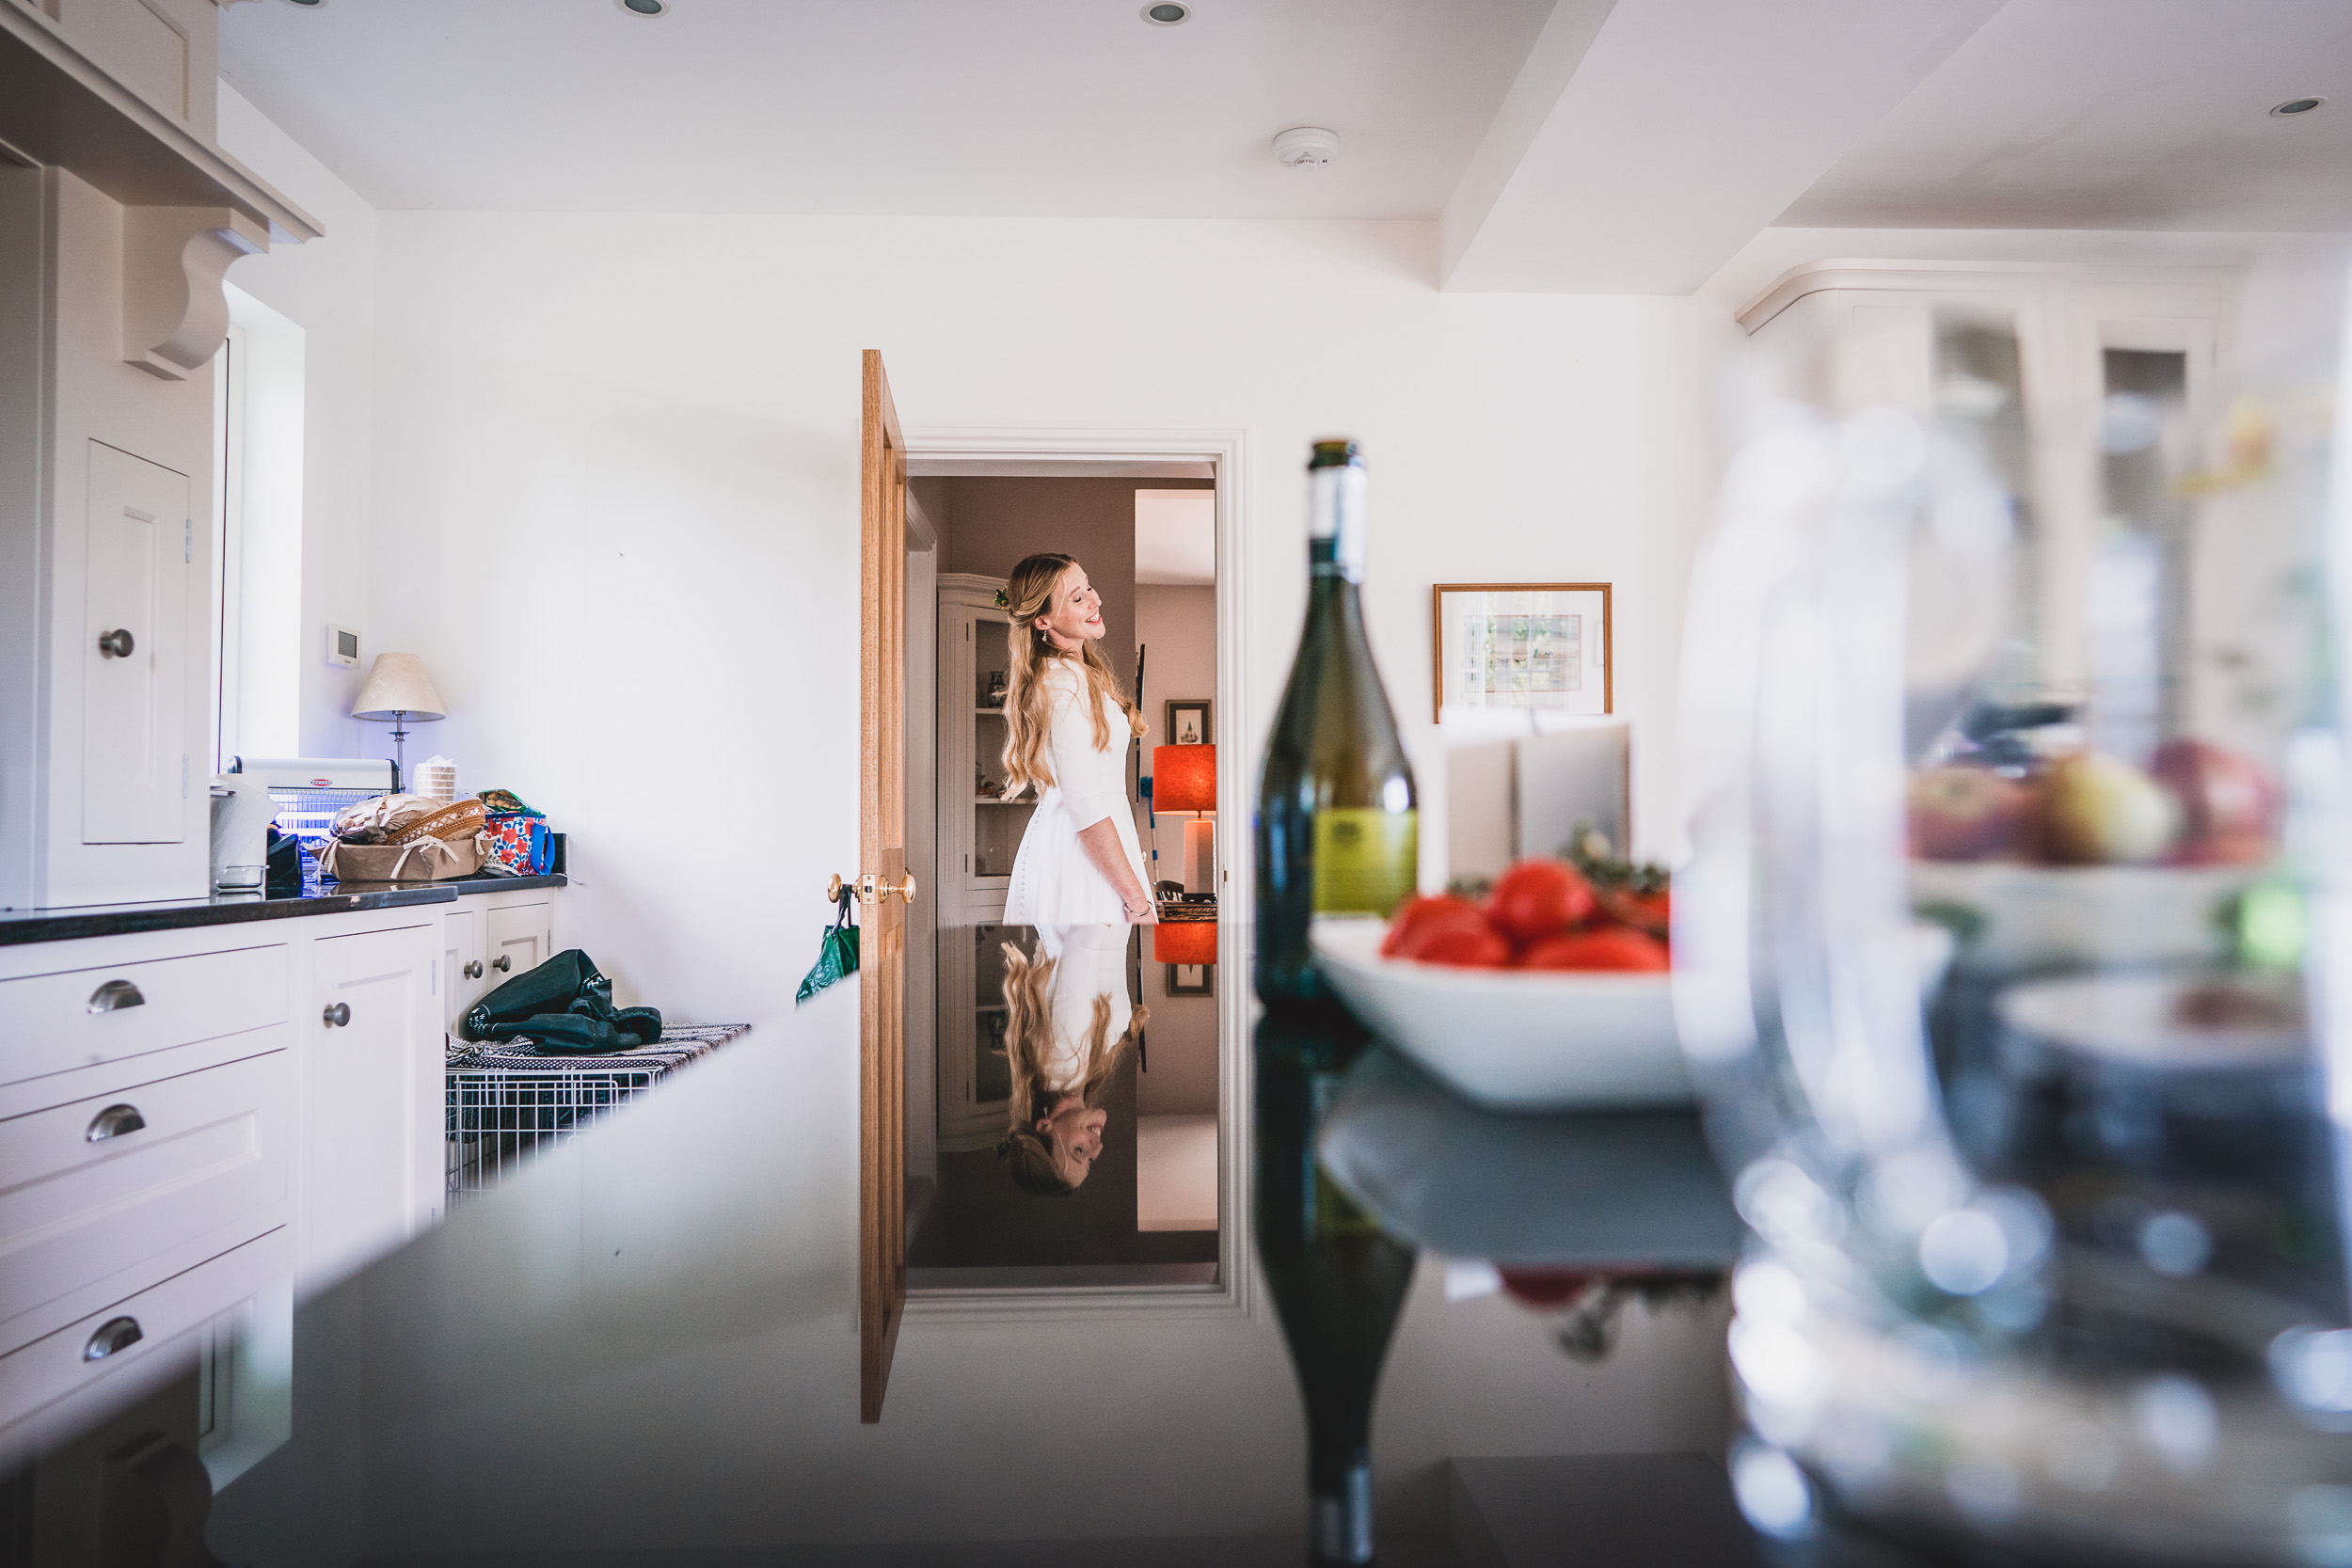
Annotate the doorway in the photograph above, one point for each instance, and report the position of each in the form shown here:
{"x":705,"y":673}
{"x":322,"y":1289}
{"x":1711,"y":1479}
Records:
{"x":1153,"y":1219}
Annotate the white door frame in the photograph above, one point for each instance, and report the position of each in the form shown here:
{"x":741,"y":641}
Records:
{"x":1015,"y":452}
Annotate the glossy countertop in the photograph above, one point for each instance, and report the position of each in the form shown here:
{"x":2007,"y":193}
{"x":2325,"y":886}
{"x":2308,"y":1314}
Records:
{"x":18,"y":926}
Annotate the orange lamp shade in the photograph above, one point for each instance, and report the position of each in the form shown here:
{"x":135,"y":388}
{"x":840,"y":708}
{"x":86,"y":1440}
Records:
{"x":1183,"y":941}
{"x":1183,"y":778}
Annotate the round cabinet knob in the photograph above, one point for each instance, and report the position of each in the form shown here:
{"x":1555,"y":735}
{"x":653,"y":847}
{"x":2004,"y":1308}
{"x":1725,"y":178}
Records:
{"x":502,"y":963}
{"x":338,"y":1014}
{"x":115,"y":1334}
{"x":116,"y":644}
{"x":473,"y":969}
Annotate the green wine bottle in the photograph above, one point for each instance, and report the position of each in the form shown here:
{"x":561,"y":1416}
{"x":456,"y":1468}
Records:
{"x":1338,"y":830}
{"x":1336,"y":835}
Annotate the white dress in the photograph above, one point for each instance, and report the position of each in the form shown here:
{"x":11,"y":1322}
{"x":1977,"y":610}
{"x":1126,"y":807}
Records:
{"x":1089,"y":962}
{"x":1053,"y":881}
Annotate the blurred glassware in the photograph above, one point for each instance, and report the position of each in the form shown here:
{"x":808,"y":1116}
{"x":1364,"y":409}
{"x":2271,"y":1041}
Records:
{"x":2006,"y":627}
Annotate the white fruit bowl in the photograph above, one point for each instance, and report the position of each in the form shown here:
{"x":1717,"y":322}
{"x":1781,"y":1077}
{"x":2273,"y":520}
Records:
{"x":1515,"y":1039}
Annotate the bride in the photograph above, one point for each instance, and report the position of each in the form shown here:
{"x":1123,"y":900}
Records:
{"x":1068,"y":725}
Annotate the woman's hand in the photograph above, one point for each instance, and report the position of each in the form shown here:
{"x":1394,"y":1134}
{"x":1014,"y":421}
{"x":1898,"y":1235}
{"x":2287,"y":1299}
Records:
{"x":1101,"y":842}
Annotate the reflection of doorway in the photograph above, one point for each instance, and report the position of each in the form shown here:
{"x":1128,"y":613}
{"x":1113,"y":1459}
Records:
{"x":1123,"y":1227}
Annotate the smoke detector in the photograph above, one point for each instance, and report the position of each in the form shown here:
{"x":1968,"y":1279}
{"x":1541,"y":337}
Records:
{"x":1306,"y":146}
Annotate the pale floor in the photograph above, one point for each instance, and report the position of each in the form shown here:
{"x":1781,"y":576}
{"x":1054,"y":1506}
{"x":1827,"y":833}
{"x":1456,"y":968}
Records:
{"x":1176,"y":1173}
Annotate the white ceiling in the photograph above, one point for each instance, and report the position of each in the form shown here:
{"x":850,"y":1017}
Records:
{"x":990,"y":107}
{"x":2115,"y":114}
{"x":1176,"y":538}
{"x":1619,"y":146}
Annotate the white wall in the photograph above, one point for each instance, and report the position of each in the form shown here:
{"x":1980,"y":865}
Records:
{"x":616,"y":464}
{"x":327,"y":288}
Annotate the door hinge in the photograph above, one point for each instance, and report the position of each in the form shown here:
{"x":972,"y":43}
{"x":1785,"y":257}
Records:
{"x":188,"y":540}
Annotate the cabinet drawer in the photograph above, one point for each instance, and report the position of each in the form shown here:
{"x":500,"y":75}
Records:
{"x":58,"y":1021}
{"x":94,"y":1188}
{"x":59,"y":1365}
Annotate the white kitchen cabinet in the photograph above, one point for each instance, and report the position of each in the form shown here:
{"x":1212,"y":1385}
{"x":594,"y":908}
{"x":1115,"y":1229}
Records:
{"x":460,"y":977}
{"x":372,"y":1093}
{"x":2034,"y":360}
{"x":135,"y":651}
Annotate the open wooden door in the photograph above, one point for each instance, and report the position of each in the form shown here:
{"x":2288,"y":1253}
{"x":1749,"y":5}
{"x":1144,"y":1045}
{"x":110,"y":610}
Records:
{"x":884,"y":890}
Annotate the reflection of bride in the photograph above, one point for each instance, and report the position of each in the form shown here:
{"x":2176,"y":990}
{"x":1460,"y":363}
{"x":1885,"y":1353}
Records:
{"x":1069,"y":1025}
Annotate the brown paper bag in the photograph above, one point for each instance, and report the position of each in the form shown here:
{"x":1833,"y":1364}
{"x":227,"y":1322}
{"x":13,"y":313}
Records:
{"x":426,"y":859}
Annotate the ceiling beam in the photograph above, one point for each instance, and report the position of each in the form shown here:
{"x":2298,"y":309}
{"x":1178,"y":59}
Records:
{"x":1646,"y":141}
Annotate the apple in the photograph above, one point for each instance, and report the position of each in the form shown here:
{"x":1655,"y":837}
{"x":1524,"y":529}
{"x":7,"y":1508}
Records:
{"x":1966,"y":814}
{"x":2099,"y":809}
{"x":2229,"y":805}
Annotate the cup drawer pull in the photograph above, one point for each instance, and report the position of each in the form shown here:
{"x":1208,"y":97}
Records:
{"x":115,"y":1334}
{"x":114,"y":996}
{"x":114,"y":1122}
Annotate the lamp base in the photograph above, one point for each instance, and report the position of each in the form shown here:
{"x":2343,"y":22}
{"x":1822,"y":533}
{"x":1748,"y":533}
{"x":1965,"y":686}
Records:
{"x":1200,"y":856}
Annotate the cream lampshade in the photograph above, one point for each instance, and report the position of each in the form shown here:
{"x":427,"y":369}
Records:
{"x":399,"y":693}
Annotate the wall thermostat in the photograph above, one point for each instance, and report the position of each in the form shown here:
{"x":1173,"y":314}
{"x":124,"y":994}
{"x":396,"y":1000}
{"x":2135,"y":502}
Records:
{"x":342,"y":647}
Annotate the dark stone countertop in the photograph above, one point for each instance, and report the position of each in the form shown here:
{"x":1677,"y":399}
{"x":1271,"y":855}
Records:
{"x":19,"y":926}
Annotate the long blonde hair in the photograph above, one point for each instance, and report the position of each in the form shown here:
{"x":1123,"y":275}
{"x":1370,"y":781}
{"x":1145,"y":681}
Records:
{"x":1028,"y":702}
{"x":1028,"y":1045}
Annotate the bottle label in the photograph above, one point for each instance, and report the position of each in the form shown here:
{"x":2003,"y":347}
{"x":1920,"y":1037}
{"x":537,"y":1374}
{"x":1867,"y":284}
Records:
{"x":1367,"y":861}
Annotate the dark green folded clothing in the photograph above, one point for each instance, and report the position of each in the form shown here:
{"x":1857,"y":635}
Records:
{"x":626,"y":1030}
{"x":565,"y":1003}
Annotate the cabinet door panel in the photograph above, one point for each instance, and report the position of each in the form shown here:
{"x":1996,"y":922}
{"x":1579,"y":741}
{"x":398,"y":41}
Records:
{"x":462,"y":969}
{"x":372,"y":1098}
{"x":134,"y":744}
{"x":518,"y":936}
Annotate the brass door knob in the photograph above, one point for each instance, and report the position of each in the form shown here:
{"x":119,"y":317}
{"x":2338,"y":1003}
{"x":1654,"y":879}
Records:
{"x":869,"y":888}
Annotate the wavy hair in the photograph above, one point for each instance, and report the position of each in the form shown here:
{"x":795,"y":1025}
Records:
{"x":1028,"y":695}
{"x":1027,"y":1154}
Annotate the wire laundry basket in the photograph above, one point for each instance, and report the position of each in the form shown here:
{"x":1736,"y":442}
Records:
{"x":507,"y":1102}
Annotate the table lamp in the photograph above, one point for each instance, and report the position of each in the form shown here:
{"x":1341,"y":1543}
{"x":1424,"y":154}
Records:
{"x":1183,"y":778}
{"x":399,"y":693}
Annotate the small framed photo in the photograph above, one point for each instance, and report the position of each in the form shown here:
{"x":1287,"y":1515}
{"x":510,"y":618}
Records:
{"x":1192,"y":980}
{"x":1537,"y":646}
{"x":1187,"y":723}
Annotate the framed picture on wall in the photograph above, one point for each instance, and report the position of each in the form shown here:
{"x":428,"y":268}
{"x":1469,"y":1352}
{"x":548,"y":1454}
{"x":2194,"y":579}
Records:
{"x":1187,"y":723}
{"x":1537,"y":646}
{"x":1191,"y":979}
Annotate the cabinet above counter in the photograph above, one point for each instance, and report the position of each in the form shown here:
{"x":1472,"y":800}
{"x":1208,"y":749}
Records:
{"x":18,"y":926}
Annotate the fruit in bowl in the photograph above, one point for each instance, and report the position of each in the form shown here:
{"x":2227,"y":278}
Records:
{"x":1968,"y":814}
{"x":1541,"y":914}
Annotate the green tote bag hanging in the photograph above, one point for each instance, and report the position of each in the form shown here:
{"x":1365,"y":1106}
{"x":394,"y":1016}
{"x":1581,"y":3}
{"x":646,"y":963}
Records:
{"x":836,"y":953}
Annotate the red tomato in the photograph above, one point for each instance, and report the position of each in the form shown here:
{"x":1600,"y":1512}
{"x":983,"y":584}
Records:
{"x":1645,"y":911}
{"x":1466,"y":944}
{"x":1611,"y":948}
{"x":1538,"y":898}
{"x":1416,"y":912}
{"x":1545,"y":1287}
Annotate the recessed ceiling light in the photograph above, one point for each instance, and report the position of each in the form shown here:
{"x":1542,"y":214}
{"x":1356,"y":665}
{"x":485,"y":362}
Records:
{"x":1306,"y":146}
{"x":645,"y":8}
{"x":1165,"y":14}
{"x":2296,"y":106}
